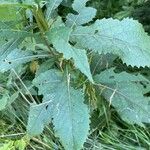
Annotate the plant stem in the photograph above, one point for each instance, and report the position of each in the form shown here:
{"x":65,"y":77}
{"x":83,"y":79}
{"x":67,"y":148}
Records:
{"x":42,"y":24}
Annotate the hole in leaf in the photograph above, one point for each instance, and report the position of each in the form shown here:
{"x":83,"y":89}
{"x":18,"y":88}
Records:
{"x":96,"y":31}
{"x":46,"y":107}
{"x":111,"y":77}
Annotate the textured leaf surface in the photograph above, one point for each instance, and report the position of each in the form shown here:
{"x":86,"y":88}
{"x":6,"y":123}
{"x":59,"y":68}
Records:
{"x":8,"y":30}
{"x":123,"y":77}
{"x":59,"y":37}
{"x":6,"y":100}
{"x":126,"y":95}
{"x":13,"y":59}
{"x":85,"y":14}
{"x":9,"y":13}
{"x":10,"y":33}
{"x":125,"y":38}
{"x":3,"y":102}
{"x":51,"y":6}
{"x":70,"y":115}
{"x":6,"y":48}
{"x":38,"y":118}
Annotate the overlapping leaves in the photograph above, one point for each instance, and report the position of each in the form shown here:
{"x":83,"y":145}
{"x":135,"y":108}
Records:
{"x":124,"y":92}
{"x":51,"y":6}
{"x":125,"y":38}
{"x":65,"y":105}
{"x":62,"y":104}
{"x":85,"y":14}
{"x":59,"y":37}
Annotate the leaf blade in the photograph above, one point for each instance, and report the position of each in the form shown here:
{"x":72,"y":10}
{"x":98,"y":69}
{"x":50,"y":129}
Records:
{"x":59,"y":37}
{"x":70,"y":115}
{"x":131,"y":44}
{"x":85,"y":14}
{"x":125,"y":94}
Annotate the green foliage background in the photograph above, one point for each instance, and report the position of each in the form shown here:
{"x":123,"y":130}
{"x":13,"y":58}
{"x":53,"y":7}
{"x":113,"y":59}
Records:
{"x":74,"y":74}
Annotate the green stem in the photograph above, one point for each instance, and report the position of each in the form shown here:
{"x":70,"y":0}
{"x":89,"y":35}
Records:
{"x":39,"y":16}
{"x":43,"y":26}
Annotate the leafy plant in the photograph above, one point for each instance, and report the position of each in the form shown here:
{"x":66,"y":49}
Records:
{"x":47,"y":72}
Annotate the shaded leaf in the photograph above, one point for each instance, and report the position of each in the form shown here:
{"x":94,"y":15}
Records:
{"x":124,"y":92}
{"x":6,"y":100}
{"x":51,"y":6}
{"x":14,"y":59}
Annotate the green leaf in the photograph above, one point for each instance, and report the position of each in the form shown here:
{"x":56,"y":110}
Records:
{"x":3,"y":101}
{"x":125,"y":38}
{"x":85,"y":14}
{"x":66,"y":106}
{"x":6,"y":48}
{"x":6,"y":100}
{"x":51,"y":6}
{"x":113,"y":77}
{"x":9,"y":13}
{"x":38,"y":118}
{"x":14,"y":59}
{"x":12,"y":33}
{"x":9,"y":29}
{"x":59,"y":37}
{"x":124,"y":92}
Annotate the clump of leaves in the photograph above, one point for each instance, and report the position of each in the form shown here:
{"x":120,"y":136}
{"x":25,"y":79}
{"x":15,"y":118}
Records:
{"x":49,"y":61}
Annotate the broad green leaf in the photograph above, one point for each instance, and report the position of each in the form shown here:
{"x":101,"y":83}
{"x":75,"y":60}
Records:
{"x":124,"y":92}
{"x":9,"y":13}
{"x":100,"y":62}
{"x":113,"y":77}
{"x":51,"y":6}
{"x":9,"y":29}
{"x":38,"y":118}
{"x":14,"y":59}
{"x":85,"y":14}
{"x":125,"y":38}
{"x":12,"y":33}
{"x":9,"y":50}
{"x":59,"y":37}
{"x":66,"y":106}
{"x":7,"y":47}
